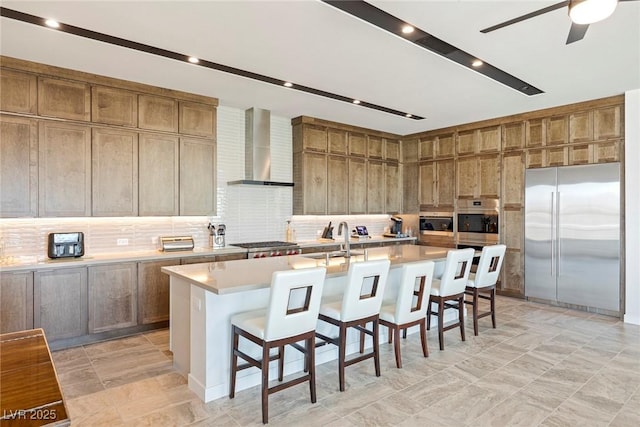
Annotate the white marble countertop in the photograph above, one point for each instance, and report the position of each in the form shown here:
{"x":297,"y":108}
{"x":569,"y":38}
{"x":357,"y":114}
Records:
{"x":352,"y":240}
{"x":228,"y":277}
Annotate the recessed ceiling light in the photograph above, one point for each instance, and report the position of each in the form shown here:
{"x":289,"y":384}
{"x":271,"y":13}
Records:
{"x":477,"y":63}
{"x":193,"y":60}
{"x":288,"y":84}
{"x":409,"y":115}
{"x":355,"y":101}
{"x":52,"y":23}
{"x":407,"y":29}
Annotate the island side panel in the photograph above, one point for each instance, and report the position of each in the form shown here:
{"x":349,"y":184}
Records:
{"x":180,"y":324}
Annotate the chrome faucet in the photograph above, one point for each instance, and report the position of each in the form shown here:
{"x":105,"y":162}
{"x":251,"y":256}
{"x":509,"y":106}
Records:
{"x":347,"y":246}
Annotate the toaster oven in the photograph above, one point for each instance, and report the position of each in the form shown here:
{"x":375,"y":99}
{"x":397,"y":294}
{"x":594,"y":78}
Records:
{"x":65,"y":245}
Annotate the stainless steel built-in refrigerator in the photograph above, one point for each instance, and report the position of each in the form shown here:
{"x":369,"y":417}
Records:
{"x":572,"y":235}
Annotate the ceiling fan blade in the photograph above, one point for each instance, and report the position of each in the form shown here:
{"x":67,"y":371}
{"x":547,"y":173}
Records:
{"x":527,"y":16}
{"x":577,"y":32}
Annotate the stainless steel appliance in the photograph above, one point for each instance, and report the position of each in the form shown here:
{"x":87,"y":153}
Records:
{"x":572,"y":235}
{"x":176,"y":243}
{"x":436,"y":228}
{"x":269,"y":249}
{"x":65,"y":245}
{"x":477,"y":223}
{"x":396,"y":228}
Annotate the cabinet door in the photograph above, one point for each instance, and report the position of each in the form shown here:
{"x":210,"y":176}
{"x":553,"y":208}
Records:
{"x":467,"y":177}
{"x":197,"y":177}
{"x":337,"y":178}
{"x":197,"y":119}
{"x":445,"y":183}
{"x":64,"y":163}
{"x":114,"y":106}
{"x":393,"y":189}
{"x":488,"y":176}
{"x":428,"y":184}
{"x":337,"y":140}
{"x":357,"y":145}
{"x":375,"y":147}
{"x":513,"y":136}
{"x":511,"y":280}
{"x":19,"y":92}
{"x":513,"y":178}
{"x":18,"y":166}
{"x":153,"y":291}
{"x":489,"y":140}
{"x":392,"y":150}
{"x":157,"y":113}
{"x":357,"y":186}
{"x":60,"y":302}
{"x":607,"y":123}
{"x":467,"y":142}
{"x":536,"y":132}
{"x":114,"y":168}
{"x":426,"y":149}
{"x":113,"y":291}
{"x":511,"y":228}
{"x":16,"y":304}
{"x":581,"y":126}
{"x":375,"y":187}
{"x":557,"y":130}
{"x":64,"y":99}
{"x":411,"y":188}
{"x":605,"y":152}
{"x":410,"y":150}
{"x":314,"y":170}
{"x":158,"y":174}
{"x":444,"y":146}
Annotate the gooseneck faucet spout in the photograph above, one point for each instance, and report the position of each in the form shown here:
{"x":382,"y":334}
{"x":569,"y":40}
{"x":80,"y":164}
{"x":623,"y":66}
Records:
{"x":347,"y":246}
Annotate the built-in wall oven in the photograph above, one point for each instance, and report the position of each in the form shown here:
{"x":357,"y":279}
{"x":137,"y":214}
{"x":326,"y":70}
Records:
{"x":437,"y":228}
{"x":477,"y":223}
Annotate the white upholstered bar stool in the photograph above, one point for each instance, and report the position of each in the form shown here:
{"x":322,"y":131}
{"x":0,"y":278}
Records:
{"x":359,"y":305}
{"x":451,"y":287}
{"x":482,"y":283}
{"x":410,"y":308}
{"x":290,"y":317}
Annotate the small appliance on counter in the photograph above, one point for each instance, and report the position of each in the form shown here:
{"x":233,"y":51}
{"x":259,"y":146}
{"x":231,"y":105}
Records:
{"x":360,"y":232}
{"x":65,"y":245}
{"x":217,"y":237}
{"x":176,"y":243}
{"x":396,"y":228}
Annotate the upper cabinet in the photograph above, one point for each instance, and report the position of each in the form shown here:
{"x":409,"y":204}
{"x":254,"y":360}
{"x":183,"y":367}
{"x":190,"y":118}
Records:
{"x":64,"y":99}
{"x":77,"y":144}
{"x":157,"y":113}
{"x":19,"y":92}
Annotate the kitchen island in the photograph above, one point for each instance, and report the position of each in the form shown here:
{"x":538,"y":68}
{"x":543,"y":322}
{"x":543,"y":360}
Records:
{"x":203,"y":297}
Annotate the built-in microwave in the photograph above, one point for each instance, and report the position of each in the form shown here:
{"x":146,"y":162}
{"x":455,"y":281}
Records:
{"x":436,"y":223}
{"x":477,"y":222}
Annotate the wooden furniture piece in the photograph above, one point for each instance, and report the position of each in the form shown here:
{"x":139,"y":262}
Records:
{"x":291,"y":317}
{"x":482,"y":283}
{"x":451,"y":287}
{"x":29,"y":390}
{"x":410,"y":308}
{"x":359,"y":305}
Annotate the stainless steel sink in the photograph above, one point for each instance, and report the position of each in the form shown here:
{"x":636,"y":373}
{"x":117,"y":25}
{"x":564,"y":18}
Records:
{"x":333,"y":254}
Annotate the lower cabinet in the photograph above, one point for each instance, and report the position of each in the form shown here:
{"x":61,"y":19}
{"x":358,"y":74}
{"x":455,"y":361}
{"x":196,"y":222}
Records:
{"x":113,"y":291}
{"x":153,"y":291}
{"x":60,"y":302}
{"x":16,"y":302}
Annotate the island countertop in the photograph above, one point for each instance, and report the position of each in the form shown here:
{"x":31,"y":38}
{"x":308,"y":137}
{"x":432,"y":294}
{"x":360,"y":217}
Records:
{"x":227,"y":277}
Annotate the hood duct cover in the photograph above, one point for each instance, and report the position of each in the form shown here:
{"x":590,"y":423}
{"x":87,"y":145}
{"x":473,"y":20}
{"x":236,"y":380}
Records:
{"x":257,"y":150}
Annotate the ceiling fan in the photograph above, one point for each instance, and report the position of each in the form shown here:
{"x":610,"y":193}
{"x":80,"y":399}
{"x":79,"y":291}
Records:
{"x":582,"y":13}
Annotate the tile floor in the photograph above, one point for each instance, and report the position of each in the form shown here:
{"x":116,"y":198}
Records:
{"x":542,"y":366}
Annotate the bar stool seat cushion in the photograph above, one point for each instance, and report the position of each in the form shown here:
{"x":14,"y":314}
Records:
{"x":435,"y":287}
{"x":331,"y":308}
{"x":253,"y":322}
{"x":388,"y":313}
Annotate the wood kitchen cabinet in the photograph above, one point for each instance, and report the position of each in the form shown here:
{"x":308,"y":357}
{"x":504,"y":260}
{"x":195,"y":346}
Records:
{"x":153,"y":291}
{"x":19,"y":92}
{"x":427,"y":174}
{"x":197,"y":176}
{"x":478,"y":176}
{"x":608,"y":122}
{"x":410,"y":188}
{"x":64,"y":99}
{"x":490,"y":139}
{"x":467,"y":142}
{"x":393,"y":189}
{"x":158,"y":174}
{"x":310,"y":178}
{"x":513,"y":136}
{"x":444,"y":146}
{"x":16,"y":304}
{"x":60,"y":302}
{"x":513,"y":167}
{"x":112,"y":296}
{"x":466,"y":177}
{"x":18,"y":152}
{"x":375,"y":187}
{"x":157,"y":113}
{"x":114,"y":106}
{"x":64,"y":164}
{"x":357,"y":186}
{"x":337,"y":141}
{"x":536,"y":133}
{"x":557,"y":130}
{"x":392,"y":150}
{"x":197,"y":119}
{"x":437,"y":183}
{"x":114,"y":171}
{"x":426,"y":149}
{"x":375,"y":148}
{"x":357,"y":144}
{"x":511,"y":278}
{"x":337,"y":179}
{"x":581,"y":126}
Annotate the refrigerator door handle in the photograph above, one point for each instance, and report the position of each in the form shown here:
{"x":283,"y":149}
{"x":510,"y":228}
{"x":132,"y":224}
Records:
{"x":557,"y":239}
{"x":553,"y":233}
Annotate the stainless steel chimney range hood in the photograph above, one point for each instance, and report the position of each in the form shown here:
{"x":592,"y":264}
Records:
{"x":257,"y":156}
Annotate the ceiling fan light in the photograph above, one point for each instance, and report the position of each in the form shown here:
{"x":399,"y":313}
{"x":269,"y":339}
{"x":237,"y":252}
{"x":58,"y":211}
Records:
{"x":589,"y":11}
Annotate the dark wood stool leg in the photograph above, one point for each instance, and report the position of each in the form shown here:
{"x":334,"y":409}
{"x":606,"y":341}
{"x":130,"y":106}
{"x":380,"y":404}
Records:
{"x":342,"y":354}
{"x":391,"y":333}
{"x":461,"y":315}
{"x":396,"y":345}
{"x":475,"y":304}
{"x":362,"y":337}
{"x":441,"y":322}
{"x":280,"y":363}
{"x":423,"y":338}
{"x":311,"y":363}
{"x":265,"y":383}
{"x":493,"y":307}
{"x":234,"y":363}
{"x":376,"y":347}
{"x":429,"y":315}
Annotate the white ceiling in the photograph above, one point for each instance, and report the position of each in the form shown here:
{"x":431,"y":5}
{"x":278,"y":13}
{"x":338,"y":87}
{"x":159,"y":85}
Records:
{"x":311,"y":43}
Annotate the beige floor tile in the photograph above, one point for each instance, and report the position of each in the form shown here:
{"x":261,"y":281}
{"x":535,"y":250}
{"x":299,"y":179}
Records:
{"x":74,"y":390}
{"x":512,"y":412}
{"x":142,"y":407}
{"x":547,"y":392}
{"x":87,"y":406}
{"x":134,"y":391}
{"x":467,"y":404}
{"x":108,"y":417}
{"x":609,"y":389}
{"x":72,"y":358}
{"x":433,"y":388}
{"x":573,"y":413}
{"x":94,"y":350}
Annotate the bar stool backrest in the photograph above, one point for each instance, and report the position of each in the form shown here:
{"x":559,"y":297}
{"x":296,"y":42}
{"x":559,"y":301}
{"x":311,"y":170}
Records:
{"x":414,"y":291}
{"x":294,"y":302}
{"x":489,"y":266}
{"x":456,"y":271}
{"x":366,"y":282}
